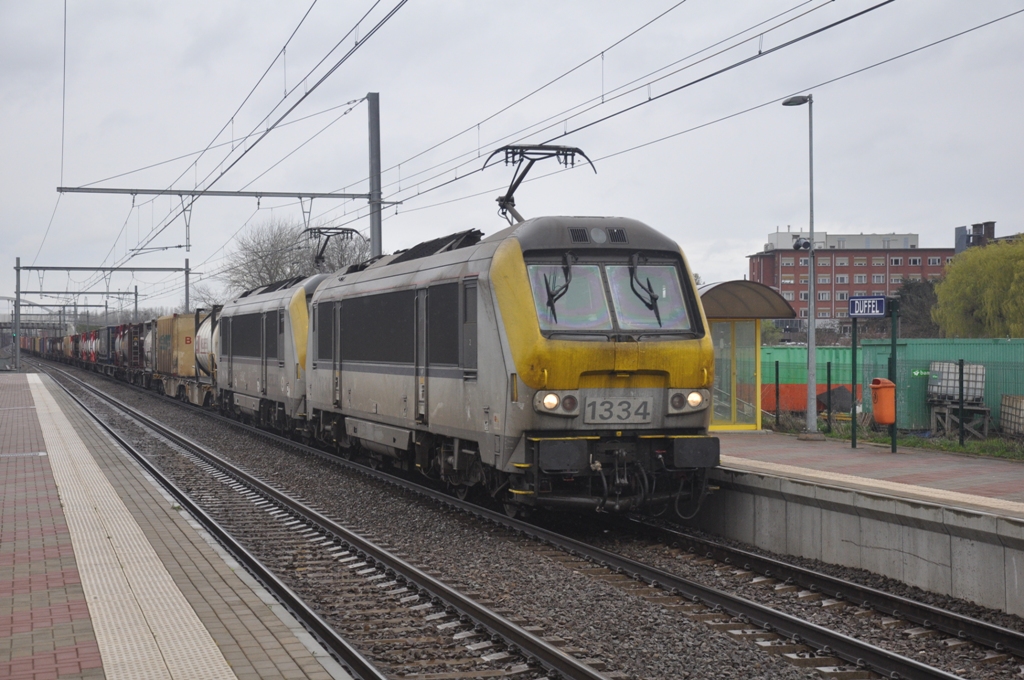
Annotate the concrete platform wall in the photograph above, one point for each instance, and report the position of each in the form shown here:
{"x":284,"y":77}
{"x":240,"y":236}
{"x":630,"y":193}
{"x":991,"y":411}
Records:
{"x":953,"y":551}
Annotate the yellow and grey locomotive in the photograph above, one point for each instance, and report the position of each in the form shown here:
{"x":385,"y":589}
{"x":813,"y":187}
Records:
{"x":560,"y":363}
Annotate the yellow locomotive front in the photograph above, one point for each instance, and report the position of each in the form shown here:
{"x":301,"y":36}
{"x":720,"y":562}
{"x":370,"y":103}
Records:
{"x":613,"y":364}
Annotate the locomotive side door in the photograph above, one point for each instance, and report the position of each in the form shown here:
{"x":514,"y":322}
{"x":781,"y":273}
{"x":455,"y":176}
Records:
{"x":336,"y":322}
{"x":420,"y":386}
{"x":263,"y":351}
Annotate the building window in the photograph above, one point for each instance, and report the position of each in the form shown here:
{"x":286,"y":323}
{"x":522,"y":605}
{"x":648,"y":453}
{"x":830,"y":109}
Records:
{"x":948,"y":260}
{"x":878,"y":262}
{"x":842,"y":314}
{"x":860,"y":262}
{"x":803,"y":313}
{"x":915,"y":277}
{"x":804,"y":278}
{"x":860,"y":278}
{"x":896,"y":261}
{"x":878,"y":278}
{"x":824,"y":295}
{"x":842,"y":295}
{"x":803,"y":295}
{"x":787,"y":262}
{"x":842,"y":278}
{"x":914,"y":261}
{"x":887,"y":243}
{"x":842,"y":262}
{"x":824,"y":313}
{"x":842,"y":246}
{"x":787,"y":295}
{"x":934,"y":277}
{"x":804,"y":261}
{"x":787,"y":278}
{"x":934,"y":261}
{"x":896,"y":278}
{"x":860,"y":293}
{"x":824,"y":261}
{"x":824,"y":279}
{"x":878,"y":292}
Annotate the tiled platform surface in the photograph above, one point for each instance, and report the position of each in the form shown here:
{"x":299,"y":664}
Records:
{"x":988,"y":484}
{"x":49,"y":619}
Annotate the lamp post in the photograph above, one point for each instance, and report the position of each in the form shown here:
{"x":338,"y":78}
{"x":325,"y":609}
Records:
{"x":812,"y":378}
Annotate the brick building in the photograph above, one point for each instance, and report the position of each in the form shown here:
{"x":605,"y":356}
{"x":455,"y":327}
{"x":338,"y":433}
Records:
{"x":847,"y":265}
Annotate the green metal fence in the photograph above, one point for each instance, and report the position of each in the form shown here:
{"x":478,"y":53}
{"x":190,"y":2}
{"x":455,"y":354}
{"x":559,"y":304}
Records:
{"x":1003,"y":362}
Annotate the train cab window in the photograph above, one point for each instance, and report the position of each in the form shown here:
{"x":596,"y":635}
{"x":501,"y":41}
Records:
{"x":443,"y":324}
{"x":225,"y":336}
{"x":573,"y":303}
{"x":324,"y":332}
{"x":270,"y":335}
{"x":469,"y":326}
{"x":280,"y":335}
{"x":648,"y":298}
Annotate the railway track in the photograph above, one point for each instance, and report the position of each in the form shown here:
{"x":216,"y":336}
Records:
{"x":377,"y":613}
{"x":803,"y":643}
{"x":927,"y":620}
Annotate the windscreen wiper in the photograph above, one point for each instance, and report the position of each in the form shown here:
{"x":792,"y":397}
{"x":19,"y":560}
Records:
{"x":555,"y":294}
{"x":651,"y":299}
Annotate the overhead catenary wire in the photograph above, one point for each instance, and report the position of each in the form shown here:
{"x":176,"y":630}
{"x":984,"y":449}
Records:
{"x":63,"y":110}
{"x":688,"y":84}
{"x":735,"y":114}
{"x":469,"y":157}
{"x":149,"y":238}
{"x":174,"y":214}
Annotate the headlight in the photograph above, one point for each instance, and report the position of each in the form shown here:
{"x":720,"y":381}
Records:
{"x":569,"y":403}
{"x":551,"y":401}
{"x":694,"y":399}
{"x":678,"y":401}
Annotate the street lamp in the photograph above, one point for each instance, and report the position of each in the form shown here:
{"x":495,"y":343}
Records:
{"x":812,"y":377}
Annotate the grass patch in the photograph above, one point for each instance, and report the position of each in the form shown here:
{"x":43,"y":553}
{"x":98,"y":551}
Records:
{"x":996,"y":446}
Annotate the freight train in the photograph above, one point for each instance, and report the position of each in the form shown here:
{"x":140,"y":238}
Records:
{"x":562,"y":363}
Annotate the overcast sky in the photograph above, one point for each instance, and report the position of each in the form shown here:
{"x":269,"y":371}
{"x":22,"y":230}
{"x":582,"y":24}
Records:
{"x":922,"y":144}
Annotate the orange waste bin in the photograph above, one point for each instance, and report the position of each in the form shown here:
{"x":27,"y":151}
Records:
{"x":883,"y":401}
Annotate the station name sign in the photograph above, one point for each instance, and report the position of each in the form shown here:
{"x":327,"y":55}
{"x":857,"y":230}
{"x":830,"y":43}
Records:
{"x":869,"y":307}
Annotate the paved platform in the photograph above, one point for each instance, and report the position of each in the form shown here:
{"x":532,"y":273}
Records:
{"x":102,"y":577}
{"x":988,"y":484}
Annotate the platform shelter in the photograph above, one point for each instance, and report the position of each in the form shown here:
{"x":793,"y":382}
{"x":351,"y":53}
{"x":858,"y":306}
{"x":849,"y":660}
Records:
{"x":735,"y":310}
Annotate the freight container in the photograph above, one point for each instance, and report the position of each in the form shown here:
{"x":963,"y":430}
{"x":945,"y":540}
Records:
{"x":175,"y":346}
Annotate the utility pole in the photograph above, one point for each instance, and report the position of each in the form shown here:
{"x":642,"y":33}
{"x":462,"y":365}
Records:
{"x":135,"y":314}
{"x":186,"y":285}
{"x":373,"y":111}
{"x":17,"y":313}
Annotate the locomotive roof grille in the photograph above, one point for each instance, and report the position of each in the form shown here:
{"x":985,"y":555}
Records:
{"x":617,"y":235}
{"x":579,"y":235}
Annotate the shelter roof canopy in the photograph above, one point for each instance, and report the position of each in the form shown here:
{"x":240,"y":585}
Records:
{"x":743,"y":300}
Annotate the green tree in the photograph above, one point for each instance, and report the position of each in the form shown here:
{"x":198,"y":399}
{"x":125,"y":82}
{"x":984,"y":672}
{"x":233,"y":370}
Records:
{"x":917,"y":298}
{"x":982,"y":295}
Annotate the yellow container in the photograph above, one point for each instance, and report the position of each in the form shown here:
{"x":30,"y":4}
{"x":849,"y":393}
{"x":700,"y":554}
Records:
{"x":175,"y":345}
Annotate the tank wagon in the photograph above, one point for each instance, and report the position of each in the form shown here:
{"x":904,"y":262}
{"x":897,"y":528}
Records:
{"x":560,"y":363}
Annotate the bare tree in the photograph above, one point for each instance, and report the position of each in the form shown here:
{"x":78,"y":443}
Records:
{"x":277,"y":250}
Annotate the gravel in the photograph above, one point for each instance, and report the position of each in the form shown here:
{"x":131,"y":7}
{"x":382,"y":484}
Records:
{"x":632,"y":635}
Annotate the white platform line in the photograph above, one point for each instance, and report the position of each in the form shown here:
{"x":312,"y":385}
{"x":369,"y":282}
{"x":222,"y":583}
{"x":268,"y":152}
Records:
{"x":145,"y":628}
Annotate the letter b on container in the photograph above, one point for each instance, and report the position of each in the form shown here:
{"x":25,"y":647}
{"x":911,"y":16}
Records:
{"x":883,"y":401}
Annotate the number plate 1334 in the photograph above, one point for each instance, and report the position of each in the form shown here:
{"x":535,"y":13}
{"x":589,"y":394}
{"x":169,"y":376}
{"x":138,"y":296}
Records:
{"x":617,"y":410}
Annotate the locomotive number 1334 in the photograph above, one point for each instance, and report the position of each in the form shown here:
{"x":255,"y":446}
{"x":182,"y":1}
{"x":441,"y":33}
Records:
{"x":617,"y":410}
